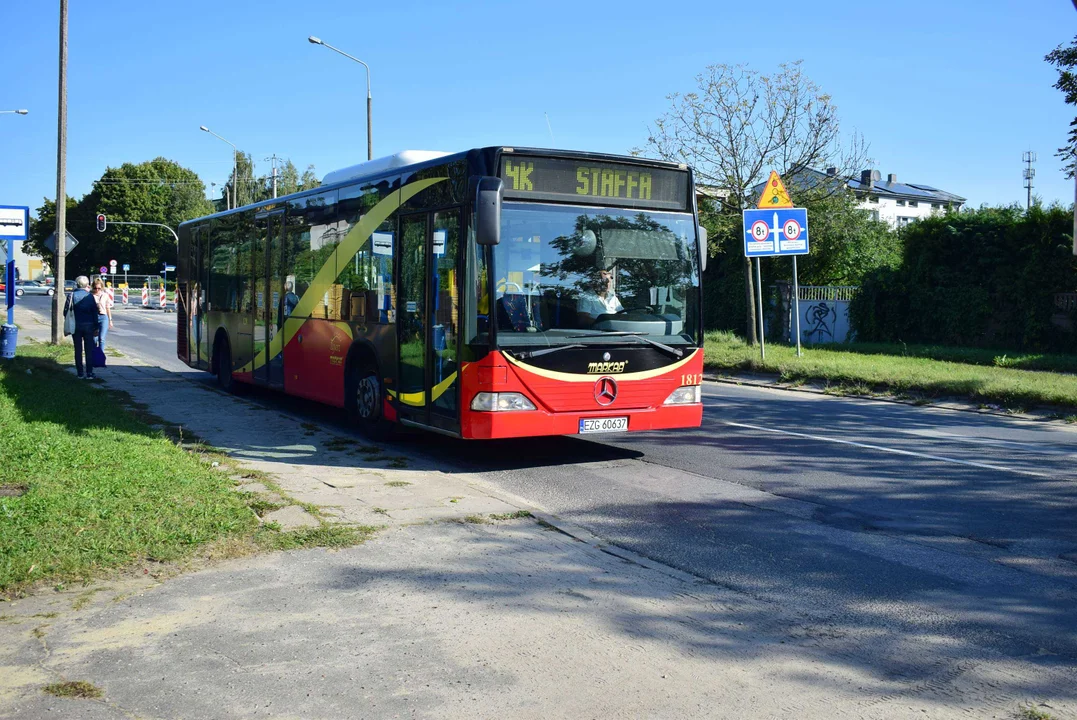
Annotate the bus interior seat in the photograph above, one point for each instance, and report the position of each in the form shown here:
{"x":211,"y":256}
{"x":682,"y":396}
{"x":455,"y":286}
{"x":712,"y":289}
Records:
{"x":512,"y":312}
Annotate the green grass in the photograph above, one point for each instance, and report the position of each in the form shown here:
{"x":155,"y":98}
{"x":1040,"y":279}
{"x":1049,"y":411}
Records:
{"x":103,"y":490}
{"x":76,"y":689}
{"x":967,"y":356}
{"x":510,"y":515}
{"x":1033,"y":712}
{"x":978,"y":375}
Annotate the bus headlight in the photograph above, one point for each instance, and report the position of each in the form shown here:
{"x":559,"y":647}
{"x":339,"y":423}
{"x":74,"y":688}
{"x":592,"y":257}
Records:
{"x":685,"y":395}
{"x":501,"y":402}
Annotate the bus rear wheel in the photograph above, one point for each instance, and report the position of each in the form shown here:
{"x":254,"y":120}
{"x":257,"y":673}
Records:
{"x":225,"y":381}
{"x":365,"y":400}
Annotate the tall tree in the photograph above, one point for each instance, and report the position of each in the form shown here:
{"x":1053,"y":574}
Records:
{"x":158,"y":190}
{"x":1065,"y":59}
{"x":739,"y":124}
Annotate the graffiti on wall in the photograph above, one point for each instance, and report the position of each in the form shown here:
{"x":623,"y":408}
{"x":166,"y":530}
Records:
{"x":819,"y":321}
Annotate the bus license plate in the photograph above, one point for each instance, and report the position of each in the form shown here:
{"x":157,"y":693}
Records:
{"x":603,"y":425}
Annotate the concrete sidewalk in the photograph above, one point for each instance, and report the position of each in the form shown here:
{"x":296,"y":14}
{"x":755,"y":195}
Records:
{"x":448,"y":614}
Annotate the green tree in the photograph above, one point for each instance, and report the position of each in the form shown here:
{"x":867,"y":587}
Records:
{"x":1065,"y":59}
{"x":158,"y":190}
{"x":737,"y":126}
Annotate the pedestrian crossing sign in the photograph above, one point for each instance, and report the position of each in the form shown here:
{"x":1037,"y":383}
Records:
{"x":774,"y":194}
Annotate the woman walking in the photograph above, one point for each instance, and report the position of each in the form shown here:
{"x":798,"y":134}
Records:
{"x":104,"y":312}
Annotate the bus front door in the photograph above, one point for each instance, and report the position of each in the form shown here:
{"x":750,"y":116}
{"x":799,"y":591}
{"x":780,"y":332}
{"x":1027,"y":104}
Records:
{"x":428,"y":312}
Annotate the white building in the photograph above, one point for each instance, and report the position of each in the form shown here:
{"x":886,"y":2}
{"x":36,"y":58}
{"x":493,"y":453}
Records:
{"x":894,"y":203}
{"x":899,"y":204}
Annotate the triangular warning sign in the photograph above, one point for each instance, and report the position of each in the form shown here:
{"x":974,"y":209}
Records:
{"x":774,"y":194}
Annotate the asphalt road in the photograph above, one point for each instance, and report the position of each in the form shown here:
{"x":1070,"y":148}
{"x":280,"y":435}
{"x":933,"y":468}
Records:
{"x":872,"y":520}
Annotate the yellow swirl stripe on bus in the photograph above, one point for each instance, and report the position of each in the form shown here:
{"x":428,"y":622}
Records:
{"x":418,"y":399}
{"x":327,"y":275}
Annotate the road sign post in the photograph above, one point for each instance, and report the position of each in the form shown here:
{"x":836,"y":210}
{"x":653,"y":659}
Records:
{"x":774,"y":230}
{"x":796,"y":305}
{"x":759,"y":303}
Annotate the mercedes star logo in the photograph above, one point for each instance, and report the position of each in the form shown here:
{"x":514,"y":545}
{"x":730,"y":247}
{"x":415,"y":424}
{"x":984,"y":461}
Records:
{"x":605,"y":391}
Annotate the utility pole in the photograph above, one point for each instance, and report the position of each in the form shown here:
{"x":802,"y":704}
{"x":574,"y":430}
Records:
{"x":1028,"y":158}
{"x":61,"y":190}
{"x":274,"y":160}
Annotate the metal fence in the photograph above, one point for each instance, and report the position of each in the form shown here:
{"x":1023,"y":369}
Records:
{"x":833,"y":293}
{"x":1066,"y":302}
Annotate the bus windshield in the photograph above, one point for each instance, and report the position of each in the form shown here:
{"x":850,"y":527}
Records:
{"x":582,"y":275}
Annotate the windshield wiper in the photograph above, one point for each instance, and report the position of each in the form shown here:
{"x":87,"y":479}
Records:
{"x":545,"y":351}
{"x":636,"y":334}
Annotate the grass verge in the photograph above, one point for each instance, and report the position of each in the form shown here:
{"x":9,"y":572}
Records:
{"x":93,"y":487}
{"x":859,"y":370}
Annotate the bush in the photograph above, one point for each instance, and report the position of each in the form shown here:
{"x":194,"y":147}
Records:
{"x":984,"y":278}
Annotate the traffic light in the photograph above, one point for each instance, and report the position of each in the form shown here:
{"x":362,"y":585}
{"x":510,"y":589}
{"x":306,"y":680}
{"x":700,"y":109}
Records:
{"x":101,"y":222}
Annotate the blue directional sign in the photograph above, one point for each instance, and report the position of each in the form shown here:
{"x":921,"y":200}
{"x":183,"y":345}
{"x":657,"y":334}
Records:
{"x":775,"y":232}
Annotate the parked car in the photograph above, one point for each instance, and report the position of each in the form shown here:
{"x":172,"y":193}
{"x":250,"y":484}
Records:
{"x":33,"y":287}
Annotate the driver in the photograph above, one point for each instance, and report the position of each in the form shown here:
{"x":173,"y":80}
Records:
{"x":602,"y":300}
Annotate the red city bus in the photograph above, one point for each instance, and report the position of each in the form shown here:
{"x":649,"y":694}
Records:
{"x":493,"y":293}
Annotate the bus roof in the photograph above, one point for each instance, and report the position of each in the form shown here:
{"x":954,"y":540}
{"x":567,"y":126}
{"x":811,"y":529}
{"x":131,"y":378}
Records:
{"x":411,"y":160}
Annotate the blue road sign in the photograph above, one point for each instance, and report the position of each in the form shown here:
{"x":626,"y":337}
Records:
{"x":126,"y":267}
{"x":775,"y":232}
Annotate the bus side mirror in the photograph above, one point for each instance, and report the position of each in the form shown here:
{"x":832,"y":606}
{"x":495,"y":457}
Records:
{"x":488,"y":194}
{"x":702,"y":249}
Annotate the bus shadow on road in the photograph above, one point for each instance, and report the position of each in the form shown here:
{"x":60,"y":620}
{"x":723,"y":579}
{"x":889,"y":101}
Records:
{"x":447,"y":454}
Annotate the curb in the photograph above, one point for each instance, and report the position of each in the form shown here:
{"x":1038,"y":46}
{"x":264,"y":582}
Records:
{"x":772,"y":382}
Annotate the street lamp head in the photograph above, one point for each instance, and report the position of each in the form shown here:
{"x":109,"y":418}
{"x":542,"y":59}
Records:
{"x":203,"y":128}
{"x":314,"y":40}
{"x":22,"y":112}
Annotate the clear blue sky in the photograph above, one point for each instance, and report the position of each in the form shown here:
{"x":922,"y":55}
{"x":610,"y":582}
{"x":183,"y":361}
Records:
{"x":947,"y":93}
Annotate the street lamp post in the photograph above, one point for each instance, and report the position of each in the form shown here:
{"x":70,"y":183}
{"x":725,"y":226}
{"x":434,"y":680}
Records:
{"x":235,"y":166}
{"x":369,"y":132}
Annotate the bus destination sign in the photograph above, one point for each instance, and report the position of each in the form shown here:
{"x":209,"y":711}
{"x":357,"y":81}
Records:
{"x":593,"y":181}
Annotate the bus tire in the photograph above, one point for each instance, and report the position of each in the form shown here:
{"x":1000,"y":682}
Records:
{"x":223,"y":364}
{"x":364,"y":400}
